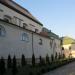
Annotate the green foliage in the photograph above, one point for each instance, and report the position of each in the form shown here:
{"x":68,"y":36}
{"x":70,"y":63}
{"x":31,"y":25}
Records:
{"x":60,"y":56}
{"x":68,"y":40}
{"x":14,"y":66}
{"x":52,"y":57}
{"x":56,"y":56}
{"x":2,"y":66}
{"x":9,"y":63}
{"x":29,"y":70}
{"x":33,"y":59}
{"x":63,"y":55}
{"x":23,"y":61}
{"x":42,"y":61}
{"x":47,"y":59}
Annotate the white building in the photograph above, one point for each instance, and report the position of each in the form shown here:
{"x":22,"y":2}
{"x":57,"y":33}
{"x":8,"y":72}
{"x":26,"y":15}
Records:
{"x":21,"y":33}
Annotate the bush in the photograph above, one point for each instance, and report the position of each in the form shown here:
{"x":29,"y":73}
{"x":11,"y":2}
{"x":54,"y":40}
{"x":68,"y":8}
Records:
{"x":23,"y":60}
{"x":42,"y":61}
{"x":31,"y":73}
{"x":43,"y":70}
{"x":52,"y":58}
{"x":9,"y":63}
{"x":14,"y":66}
{"x":47,"y":59}
{"x":2,"y":66}
{"x":56,"y":56}
{"x":63,"y":56}
{"x":59,"y":57}
{"x":33,"y":60}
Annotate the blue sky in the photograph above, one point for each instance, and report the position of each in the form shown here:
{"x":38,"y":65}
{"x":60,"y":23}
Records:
{"x":56,"y":15}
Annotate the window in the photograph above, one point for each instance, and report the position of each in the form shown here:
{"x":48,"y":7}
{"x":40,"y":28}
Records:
{"x":36,"y":30}
{"x":7,"y":18}
{"x":2,"y":31}
{"x":32,"y":25}
{"x":17,"y":21}
{"x":40,"y":43}
{"x":25,"y":37}
{"x":24,"y":25}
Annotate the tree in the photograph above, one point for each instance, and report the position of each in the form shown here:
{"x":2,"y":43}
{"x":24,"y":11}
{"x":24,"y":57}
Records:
{"x":47,"y":59}
{"x":23,"y":60}
{"x":9,"y":63}
{"x":56,"y":56}
{"x":63,"y":55}
{"x":59,"y":57}
{"x":2,"y":66}
{"x":52,"y":57}
{"x":14,"y":66}
{"x":33,"y":59}
{"x":42,"y":62}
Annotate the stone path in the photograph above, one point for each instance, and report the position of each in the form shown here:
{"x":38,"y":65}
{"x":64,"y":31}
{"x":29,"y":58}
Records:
{"x":65,"y":70}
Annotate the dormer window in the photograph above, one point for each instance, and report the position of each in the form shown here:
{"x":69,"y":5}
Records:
{"x":36,"y":30}
{"x":7,"y":18}
{"x":24,"y":25}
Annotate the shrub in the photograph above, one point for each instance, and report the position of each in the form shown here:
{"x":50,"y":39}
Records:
{"x":63,"y":56}
{"x":23,"y":60}
{"x":31,"y":73}
{"x":9,"y":63}
{"x":2,"y":66}
{"x":43,"y":70}
{"x":56,"y":56}
{"x":47,"y":59}
{"x":33,"y":59}
{"x":59,"y":57}
{"x":42,"y":61}
{"x":14,"y":66}
{"x":52,"y":58}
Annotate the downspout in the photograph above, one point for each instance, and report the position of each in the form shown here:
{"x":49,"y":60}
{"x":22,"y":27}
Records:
{"x":32,"y":44}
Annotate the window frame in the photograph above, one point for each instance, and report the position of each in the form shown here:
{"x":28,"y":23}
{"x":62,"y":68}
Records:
{"x":40,"y":42}
{"x":7,"y":18}
{"x":25,"y":37}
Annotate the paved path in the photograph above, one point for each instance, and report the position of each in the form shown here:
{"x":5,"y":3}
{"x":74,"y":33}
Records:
{"x":65,"y":70}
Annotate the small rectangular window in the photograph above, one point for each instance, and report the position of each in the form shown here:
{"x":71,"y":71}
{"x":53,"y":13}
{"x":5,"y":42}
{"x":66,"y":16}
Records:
{"x":24,"y":25}
{"x":36,"y":30}
{"x":40,"y":42}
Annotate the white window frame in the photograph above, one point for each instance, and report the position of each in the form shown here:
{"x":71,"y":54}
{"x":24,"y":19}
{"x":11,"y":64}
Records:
{"x":25,"y":37}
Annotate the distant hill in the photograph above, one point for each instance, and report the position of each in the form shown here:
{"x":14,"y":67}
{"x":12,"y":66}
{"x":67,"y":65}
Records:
{"x":68,"y":40}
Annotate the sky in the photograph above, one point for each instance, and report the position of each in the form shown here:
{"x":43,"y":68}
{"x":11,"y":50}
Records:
{"x":56,"y":15}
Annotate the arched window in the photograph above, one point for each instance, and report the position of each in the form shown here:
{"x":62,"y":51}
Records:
{"x":7,"y":18}
{"x":25,"y":37}
{"x":2,"y":31}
